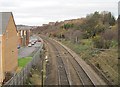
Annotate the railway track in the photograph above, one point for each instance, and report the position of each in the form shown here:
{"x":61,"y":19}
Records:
{"x":69,"y":70}
{"x":51,"y":68}
{"x":82,"y":76}
{"x":61,"y":71}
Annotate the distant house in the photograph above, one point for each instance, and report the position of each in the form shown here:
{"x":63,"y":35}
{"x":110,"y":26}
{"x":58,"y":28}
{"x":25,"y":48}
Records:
{"x":45,"y":25}
{"x":67,"y":21}
{"x":51,"y":23}
{"x":8,"y":45}
{"x":24,"y":33}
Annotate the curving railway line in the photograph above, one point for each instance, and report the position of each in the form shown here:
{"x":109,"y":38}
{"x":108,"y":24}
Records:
{"x":64,"y":68}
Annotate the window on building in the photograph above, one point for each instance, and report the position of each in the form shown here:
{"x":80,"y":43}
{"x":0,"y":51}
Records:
{"x":6,"y":35}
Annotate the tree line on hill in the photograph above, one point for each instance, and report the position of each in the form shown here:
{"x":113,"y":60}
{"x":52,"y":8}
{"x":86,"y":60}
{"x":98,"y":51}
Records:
{"x":100,"y":27}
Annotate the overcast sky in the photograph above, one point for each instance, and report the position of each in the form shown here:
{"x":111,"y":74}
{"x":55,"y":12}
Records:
{"x":38,"y":12}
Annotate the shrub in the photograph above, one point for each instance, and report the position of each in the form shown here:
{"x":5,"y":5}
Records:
{"x":110,"y":34}
{"x":107,"y":44}
{"x":98,"y":42}
{"x":67,"y":26}
{"x":98,"y":66}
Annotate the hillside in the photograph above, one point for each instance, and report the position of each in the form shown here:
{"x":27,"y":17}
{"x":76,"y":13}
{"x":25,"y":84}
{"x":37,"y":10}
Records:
{"x":94,"y":38}
{"x":95,"y":24}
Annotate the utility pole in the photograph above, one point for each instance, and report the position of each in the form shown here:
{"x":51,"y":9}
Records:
{"x":42,"y":71}
{"x":119,"y":40}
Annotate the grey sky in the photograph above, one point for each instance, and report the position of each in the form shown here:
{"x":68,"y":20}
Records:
{"x":37,"y":12}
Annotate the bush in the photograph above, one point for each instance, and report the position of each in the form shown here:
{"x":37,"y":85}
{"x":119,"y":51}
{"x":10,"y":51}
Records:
{"x":110,"y":34}
{"x":107,"y":44}
{"x":67,"y":26}
{"x":98,"y":66}
{"x":100,"y":42}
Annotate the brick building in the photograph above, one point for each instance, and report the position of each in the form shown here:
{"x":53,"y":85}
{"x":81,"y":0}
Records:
{"x":8,"y":45}
{"x":24,"y":35}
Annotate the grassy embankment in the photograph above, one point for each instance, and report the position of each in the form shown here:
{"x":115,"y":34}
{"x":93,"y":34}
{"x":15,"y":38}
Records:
{"x":105,"y":60}
{"x":22,"y":62}
{"x":38,"y":72}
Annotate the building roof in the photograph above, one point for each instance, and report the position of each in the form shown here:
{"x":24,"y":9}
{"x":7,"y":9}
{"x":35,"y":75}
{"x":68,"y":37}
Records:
{"x":4,"y":19}
{"x":23,"y":27}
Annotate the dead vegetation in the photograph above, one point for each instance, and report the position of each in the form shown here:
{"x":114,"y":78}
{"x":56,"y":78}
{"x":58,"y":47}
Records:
{"x":94,"y":38}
